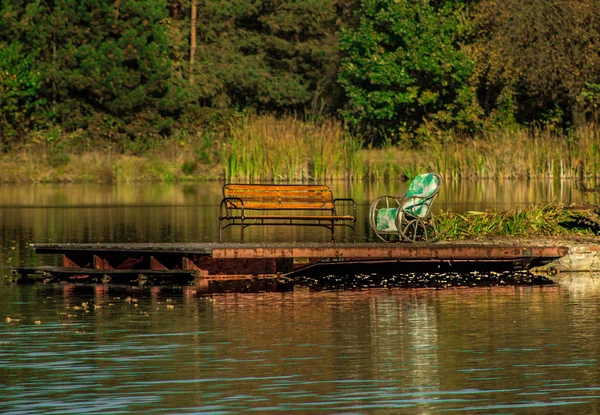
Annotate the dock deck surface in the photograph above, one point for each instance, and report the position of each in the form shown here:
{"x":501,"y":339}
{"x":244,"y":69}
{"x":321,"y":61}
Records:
{"x":447,"y":251}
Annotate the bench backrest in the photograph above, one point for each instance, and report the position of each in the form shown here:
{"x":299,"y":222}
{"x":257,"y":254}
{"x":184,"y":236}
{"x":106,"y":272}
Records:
{"x":279,"y":197}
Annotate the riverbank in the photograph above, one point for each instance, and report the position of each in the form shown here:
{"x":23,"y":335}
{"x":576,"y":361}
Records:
{"x":287,"y":149}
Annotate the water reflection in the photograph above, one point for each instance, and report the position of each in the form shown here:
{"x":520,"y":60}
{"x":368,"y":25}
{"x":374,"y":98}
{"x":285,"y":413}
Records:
{"x":579,"y":283}
{"x":110,"y":349}
{"x":454,"y":195}
{"x":101,"y":349}
{"x":488,"y":194}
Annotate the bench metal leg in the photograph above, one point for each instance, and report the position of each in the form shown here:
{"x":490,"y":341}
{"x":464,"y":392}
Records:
{"x":332,"y":231}
{"x":242,"y":232}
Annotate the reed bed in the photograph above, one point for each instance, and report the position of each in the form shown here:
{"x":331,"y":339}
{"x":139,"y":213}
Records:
{"x":267,"y":148}
{"x":511,"y":153}
{"x":519,"y":153}
{"x":538,"y":221}
{"x":270,"y":149}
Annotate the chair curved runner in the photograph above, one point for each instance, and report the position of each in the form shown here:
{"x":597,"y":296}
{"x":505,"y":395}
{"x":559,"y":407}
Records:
{"x":407,"y":218}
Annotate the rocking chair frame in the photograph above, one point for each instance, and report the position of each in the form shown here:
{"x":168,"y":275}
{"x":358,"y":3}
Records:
{"x":413,"y":219}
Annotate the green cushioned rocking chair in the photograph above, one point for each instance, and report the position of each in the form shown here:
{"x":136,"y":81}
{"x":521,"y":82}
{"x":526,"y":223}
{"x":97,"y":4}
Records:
{"x":407,"y":218}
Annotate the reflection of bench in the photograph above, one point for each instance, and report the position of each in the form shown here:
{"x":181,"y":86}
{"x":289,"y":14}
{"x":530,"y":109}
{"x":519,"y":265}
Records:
{"x":303,"y":205}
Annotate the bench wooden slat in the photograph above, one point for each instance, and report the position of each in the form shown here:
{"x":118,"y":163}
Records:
{"x":279,"y":193}
{"x":280,"y":196}
{"x":266,"y":205}
{"x":303,"y":217}
{"x":271,"y":188}
{"x":284,"y":187}
{"x":289,"y":189}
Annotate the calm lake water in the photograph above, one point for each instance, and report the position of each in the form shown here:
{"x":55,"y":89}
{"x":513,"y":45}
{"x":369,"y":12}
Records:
{"x":99,"y":349}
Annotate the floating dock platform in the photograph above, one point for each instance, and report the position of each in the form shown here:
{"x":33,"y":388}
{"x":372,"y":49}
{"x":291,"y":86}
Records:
{"x":273,"y":266}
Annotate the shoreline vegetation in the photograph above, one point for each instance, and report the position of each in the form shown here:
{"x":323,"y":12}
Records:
{"x":298,"y":91}
{"x":546,"y":221}
{"x":287,"y":149}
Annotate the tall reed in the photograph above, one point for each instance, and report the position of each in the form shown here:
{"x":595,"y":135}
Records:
{"x":519,"y":153}
{"x":267,"y":148}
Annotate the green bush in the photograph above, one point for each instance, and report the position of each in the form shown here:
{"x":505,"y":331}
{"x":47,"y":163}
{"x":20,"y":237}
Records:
{"x":403,"y":67}
{"x":19,"y":90}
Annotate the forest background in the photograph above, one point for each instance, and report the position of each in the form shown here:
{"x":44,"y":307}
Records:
{"x":123,"y":90}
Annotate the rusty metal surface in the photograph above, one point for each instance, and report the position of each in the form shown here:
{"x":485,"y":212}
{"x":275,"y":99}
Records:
{"x":156,"y":265}
{"x":214,"y":260}
{"x":101,"y":263}
{"x":68,"y":262}
{"x":226,"y":277}
{"x":389,"y":251}
{"x":237,"y":266}
{"x":81,"y":272}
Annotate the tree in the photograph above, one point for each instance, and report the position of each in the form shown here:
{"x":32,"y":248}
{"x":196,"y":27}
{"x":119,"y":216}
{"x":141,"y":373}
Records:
{"x":274,"y":56}
{"x":539,"y":57}
{"x":104,"y":65}
{"x":403,"y":66}
{"x":20,"y":83}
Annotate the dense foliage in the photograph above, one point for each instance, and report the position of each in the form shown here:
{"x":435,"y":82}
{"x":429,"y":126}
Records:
{"x":539,"y":59}
{"x":403,"y":67}
{"x":125,"y":71}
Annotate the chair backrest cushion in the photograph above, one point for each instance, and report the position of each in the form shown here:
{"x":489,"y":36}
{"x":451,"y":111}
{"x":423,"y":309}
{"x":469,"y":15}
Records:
{"x":421,"y":194}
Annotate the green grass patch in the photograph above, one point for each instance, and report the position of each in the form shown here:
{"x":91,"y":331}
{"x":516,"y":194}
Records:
{"x":537,"y":221}
{"x":517,"y":153}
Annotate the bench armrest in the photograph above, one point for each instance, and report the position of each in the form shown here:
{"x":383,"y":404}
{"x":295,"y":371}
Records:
{"x":345,"y":203}
{"x":226,"y":206}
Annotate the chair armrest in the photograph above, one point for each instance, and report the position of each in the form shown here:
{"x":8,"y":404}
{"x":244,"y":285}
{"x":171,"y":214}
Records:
{"x":397,"y":199}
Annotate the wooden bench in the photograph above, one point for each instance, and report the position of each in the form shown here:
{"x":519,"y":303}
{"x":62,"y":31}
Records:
{"x":273,"y":204}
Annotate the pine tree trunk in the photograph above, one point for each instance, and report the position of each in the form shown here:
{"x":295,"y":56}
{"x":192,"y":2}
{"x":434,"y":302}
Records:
{"x":578,"y":114}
